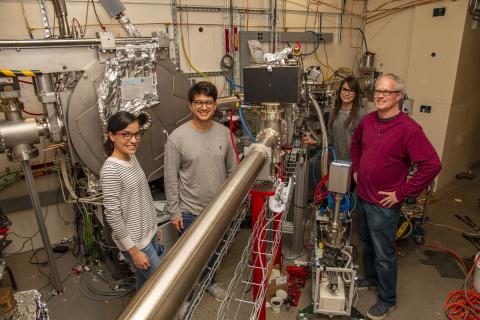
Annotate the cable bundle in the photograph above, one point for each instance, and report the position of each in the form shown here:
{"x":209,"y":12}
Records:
{"x":464,"y":303}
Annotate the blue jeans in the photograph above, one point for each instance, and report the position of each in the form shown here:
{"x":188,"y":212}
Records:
{"x":377,"y":227}
{"x":153,"y":251}
{"x":188,"y":220}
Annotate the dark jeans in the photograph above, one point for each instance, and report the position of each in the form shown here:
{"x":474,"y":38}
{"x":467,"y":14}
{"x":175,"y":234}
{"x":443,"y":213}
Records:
{"x":377,"y":227}
{"x":188,"y":220}
{"x":154,"y":252}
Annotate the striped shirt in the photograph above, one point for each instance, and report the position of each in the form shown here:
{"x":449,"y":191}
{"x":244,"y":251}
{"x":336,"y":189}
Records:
{"x":128,"y":202}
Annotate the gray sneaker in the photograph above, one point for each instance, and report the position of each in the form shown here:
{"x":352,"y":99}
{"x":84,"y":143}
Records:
{"x":182,"y":312}
{"x":380,"y":310}
{"x":218,"y":292}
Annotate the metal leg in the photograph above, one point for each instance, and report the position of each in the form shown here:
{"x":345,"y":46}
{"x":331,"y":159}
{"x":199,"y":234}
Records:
{"x":41,"y":224}
{"x":12,"y":278}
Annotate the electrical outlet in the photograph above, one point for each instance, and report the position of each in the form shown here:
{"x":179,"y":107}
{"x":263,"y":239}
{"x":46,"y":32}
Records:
{"x":425,"y":109}
{"x":439,"y":12}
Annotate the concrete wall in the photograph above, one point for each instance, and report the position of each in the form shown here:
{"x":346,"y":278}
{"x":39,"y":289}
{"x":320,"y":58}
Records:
{"x":204,"y":48}
{"x":462,"y":143}
{"x":437,"y":62}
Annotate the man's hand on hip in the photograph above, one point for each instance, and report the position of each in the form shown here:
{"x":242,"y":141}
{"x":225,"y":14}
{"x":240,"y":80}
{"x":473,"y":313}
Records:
{"x":390,"y":199}
{"x":178,"y":224}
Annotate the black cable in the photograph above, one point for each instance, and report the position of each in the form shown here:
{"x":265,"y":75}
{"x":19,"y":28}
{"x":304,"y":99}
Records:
{"x":317,"y":43}
{"x":364,"y":39}
{"x":96,"y":15}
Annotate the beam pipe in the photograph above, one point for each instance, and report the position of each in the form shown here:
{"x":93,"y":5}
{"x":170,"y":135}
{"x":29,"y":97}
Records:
{"x":59,"y":43}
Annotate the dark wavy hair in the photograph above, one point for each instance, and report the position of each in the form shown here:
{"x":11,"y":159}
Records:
{"x":116,"y":123}
{"x":204,"y":87}
{"x":353,"y":116}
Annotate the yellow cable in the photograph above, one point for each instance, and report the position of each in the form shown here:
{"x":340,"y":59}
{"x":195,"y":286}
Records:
{"x":189,"y":62}
{"x":185,"y":51}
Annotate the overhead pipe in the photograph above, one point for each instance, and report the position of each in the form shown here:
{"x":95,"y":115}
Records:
{"x":59,"y":43}
{"x":165,"y":291}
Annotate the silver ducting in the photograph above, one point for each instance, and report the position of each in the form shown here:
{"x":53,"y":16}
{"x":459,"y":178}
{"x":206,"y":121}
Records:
{"x":62,"y":16}
{"x":323,"y":127}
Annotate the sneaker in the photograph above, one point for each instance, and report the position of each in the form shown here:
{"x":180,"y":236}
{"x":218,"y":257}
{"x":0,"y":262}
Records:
{"x":218,"y":292}
{"x":182,"y":312}
{"x":364,"y":284}
{"x":380,"y":310}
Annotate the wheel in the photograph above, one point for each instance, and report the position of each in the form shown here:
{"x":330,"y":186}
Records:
{"x":419,"y":240}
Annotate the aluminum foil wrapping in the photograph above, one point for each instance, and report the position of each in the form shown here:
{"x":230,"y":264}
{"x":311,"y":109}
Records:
{"x":130,"y":81}
{"x":93,"y":183}
{"x":127,"y":25}
{"x":30,"y":306}
{"x":278,"y":57}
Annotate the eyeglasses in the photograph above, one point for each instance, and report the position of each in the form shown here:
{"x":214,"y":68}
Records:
{"x":385,"y":93}
{"x":348,"y":91}
{"x":128,"y":135}
{"x":199,"y":103}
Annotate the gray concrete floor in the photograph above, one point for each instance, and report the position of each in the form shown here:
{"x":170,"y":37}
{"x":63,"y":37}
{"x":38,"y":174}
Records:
{"x":421,"y":290}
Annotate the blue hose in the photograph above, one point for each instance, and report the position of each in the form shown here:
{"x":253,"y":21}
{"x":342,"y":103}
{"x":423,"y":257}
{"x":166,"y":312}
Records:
{"x":232,"y":83}
{"x":244,"y":125}
{"x":317,"y":156}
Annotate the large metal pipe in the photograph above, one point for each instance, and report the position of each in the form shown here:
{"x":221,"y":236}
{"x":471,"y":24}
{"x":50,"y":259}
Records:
{"x":162,"y":295}
{"x":62,"y":16}
{"x":59,"y":43}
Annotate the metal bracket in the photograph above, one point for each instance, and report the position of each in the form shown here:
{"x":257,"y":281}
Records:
{"x":45,"y":22}
{"x":107,"y":41}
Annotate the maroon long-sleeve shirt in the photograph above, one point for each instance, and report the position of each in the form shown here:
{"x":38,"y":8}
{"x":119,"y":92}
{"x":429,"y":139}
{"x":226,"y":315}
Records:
{"x":382,"y":152}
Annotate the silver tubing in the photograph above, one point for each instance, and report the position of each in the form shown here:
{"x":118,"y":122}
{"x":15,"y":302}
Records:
{"x":162,"y":295}
{"x":57,"y":43}
{"x":32,"y":190}
{"x":62,"y":16}
{"x":323,"y":127}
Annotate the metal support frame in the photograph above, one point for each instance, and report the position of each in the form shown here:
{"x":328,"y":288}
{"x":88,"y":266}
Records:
{"x":173,"y":9}
{"x":301,"y":199}
{"x":32,"y":189}
{"x":46,"y":24}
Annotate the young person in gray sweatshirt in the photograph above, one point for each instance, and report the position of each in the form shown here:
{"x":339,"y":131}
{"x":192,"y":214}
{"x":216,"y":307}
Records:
{"x":198,"y":159}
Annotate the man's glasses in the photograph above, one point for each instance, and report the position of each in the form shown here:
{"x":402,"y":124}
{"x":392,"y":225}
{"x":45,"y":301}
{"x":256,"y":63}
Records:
{"x":384,"y":93}
{"x":128,"y":135}
{"x":348,"y":91}
{"x":199,"y":103}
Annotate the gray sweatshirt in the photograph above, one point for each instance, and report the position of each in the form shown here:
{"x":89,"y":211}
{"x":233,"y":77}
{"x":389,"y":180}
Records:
{"x":196,"y":165}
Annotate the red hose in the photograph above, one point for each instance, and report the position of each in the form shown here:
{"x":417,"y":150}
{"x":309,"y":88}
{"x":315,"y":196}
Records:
{"x":32,"y":114}
{"x":232,"y":138}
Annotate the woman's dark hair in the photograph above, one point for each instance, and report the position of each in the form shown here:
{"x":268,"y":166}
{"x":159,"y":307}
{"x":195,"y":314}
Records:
{"x":204,"y":87}
{"x":116,"y":123}
{"x":353,"y":116}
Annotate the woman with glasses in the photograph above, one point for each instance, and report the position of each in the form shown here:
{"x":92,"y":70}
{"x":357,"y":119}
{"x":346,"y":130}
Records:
{"x":344,"y":118}
{"x":128,"y":202}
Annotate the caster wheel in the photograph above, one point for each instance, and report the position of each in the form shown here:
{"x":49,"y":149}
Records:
{"x":419,"y":240}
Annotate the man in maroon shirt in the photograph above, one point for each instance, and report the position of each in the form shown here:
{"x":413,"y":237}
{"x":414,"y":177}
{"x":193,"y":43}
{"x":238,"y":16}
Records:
{"x":384,"y":146}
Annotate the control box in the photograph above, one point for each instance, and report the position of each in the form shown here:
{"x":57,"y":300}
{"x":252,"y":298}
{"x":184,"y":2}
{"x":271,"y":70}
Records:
{"x":340,"y":176}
